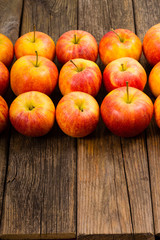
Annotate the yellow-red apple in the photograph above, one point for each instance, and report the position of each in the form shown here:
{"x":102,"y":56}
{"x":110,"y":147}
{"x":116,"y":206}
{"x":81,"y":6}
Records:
{"x":33,"y":73}
{"x":77,"y":114}
{"x":126,"y":113}
{"x":124,"y":69}
{"x":35,"y":41}
{"x":76,"y":44}
{"x":4,"y":78}
{"x":3,"y":114}
{"x":32,"y":114}
{"x":151,"y":43}
{"x":154,"y":80}
{"x":6,"y":52}
{"x":157,"y":111}
{"x":119,"y":43}
{"x":80,"y":75}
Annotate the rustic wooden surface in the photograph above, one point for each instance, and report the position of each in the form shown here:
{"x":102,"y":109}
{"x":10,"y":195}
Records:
{"x":98,"y":187}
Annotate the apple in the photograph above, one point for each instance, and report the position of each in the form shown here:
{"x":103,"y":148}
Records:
{"x":117,"y":72}
{"x":3,"y":114}
{"x":80,"y":75}
{"x":76,"y":44}
{"x":7,"y":52}
{"x":119,"y":43}
{"x":33,"y":73}
{"x":32,"y":114}
{"x":77,"y":114}
{"x":4,"y":78}
{"x":157,"y":111}
{"x":126,"y":111}
{"x":35,"y":41}
{"x":154,"y":80}
{"x":151,"y":43}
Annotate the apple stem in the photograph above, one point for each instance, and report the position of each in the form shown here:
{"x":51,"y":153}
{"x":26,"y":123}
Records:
{"x":74,"y":64}
{"x":34,"y":27}
{"x":127,"y":89}
{"x":75,"y":39}
{"x":81,"y":109}
{"x":31,"y":108}
{"x":123,"y":68}
{"x":121,"y":39}
{"x":36,"y":58}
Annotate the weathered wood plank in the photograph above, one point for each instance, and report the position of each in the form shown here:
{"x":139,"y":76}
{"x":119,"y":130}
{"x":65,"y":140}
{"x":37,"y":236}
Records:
{"x":40,"y":200}
{"x":103,"y":208}
{"x":136,"y":160}
{"x":103,"y":204}
{"x":4,"y":139}
{"x":136,"y":167}
{"x":148,"y":17}
{"x":10,"y":13}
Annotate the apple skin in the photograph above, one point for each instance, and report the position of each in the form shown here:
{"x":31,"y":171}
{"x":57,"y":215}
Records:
{"x":4,"y":79}
{"x":154,"y":80}
{"x":126,"y":119}
{"x":111,"y":48}
{"x":32,"y":114}
{"x":67,"y":49}
{"x":117,"y":72}
{"x":3,"y":114}
{"x":87,"y":79}
{"x":25,"y":76}
{"x":7,"y":51}
{"x":157,"y":111}
{"x":151,"y":43}
{"x":43,"y":44}
{"x":77,"y":114}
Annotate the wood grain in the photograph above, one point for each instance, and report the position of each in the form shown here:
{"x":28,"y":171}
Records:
{"x":103,"y":204}
{"x":138,"y":181}
{"x":150,"y":16}
{"x":40,"y":199}
{"x":103,"y":207}
{"x":135,"y":154}
{"x":10,"y":14}
{"x":4,"y":141}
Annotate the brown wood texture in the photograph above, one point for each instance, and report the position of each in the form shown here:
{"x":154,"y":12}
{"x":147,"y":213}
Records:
{"x":4,"y":141}
{"x":103,"y":203}
{"x":149,"y":16}
{"x":138,"y":182}
{"x":113,"y":179}
{"x":40,"y":197}
{"x":10,"y":14}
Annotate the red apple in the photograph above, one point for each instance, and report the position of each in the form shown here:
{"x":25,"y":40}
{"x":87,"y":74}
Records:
{"x":80,"y":75}
{"x":6,"y":53}
{"x":151,"y":43}
{"x":3,"y":114}
{"x":32,"y":114}
{"x":77,"y":114}
{"x":76,"y":44}
{"x":4,"y":78}
{"x":154,"y":80}
{"x":119,"y":43}
{"x":157,"y":111}
{"x":35,"y":41}
{"x":121,"y":70}
{"x":126,"y":114}
{"x":33,"y":73}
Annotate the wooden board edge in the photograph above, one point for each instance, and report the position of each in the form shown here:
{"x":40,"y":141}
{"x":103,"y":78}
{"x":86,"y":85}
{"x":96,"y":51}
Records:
{"x":127,"y":236}
{"x":37,"y":236}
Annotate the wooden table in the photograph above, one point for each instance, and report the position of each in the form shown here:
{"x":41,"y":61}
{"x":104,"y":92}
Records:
{"x":98,"y":187}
